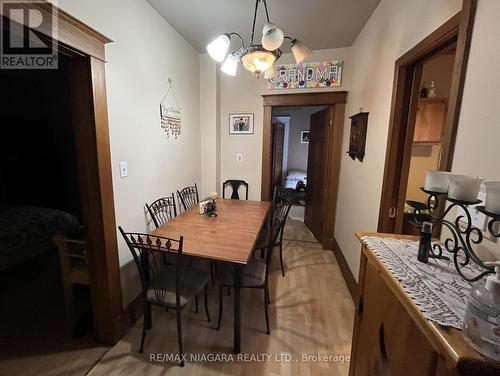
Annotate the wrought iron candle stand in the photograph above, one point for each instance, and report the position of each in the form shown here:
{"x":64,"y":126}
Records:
{"x":463,"y":238}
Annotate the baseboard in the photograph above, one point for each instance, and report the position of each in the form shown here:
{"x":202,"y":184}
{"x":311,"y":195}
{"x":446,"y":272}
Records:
{"x":352,"y":285}
{"x":131,"y":313}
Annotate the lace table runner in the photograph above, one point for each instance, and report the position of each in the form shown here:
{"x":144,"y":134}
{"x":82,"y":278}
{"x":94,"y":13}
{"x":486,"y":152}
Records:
{"x":435,"y":287}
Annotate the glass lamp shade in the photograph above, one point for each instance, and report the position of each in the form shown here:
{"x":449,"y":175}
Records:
{"x":230,"y":65}
{"x":273,"y":39}
{"x":300,"y":50}
{"x":257,"y":60}
{"x":268,"y":26}
{"x":218,"y":48}
{"x":271,"y":73}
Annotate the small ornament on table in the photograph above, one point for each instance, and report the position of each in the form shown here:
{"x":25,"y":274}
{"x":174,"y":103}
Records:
{"x":208,"y":206}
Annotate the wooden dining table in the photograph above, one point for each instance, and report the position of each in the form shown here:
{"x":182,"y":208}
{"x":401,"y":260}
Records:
{"x":230,"y":237}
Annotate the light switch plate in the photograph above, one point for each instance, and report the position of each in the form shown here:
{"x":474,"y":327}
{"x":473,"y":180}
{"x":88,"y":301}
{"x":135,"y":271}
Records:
{"x":123,"y":169}
{"x":239,"y":158}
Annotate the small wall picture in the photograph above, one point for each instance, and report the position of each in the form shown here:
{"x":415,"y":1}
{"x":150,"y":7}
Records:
{"x":241,"y":123}
{"x":304,"y":137}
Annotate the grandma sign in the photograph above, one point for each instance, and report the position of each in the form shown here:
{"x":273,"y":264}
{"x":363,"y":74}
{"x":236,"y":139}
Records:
{"x":296,"y":76}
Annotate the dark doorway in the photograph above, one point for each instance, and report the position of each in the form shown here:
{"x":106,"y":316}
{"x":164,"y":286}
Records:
{"x":42,"y":311}
{"x":82,"y":54}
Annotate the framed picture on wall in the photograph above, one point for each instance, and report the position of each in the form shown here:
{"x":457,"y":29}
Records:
{"x":304,"y":137}
{"x":241,"y":123}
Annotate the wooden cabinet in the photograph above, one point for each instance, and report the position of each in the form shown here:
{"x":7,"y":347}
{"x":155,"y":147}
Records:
{"x":430,"y":121}
{"x":392,"y":337}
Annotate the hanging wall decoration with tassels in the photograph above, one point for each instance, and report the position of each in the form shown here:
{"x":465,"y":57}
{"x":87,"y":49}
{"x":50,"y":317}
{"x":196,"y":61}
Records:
{"x":170,"y":112}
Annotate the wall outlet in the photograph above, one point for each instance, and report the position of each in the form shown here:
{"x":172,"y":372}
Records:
{"x":239,"y":158}
{"x":123,"y":169}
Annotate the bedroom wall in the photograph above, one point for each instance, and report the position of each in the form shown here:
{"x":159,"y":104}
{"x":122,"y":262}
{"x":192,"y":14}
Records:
{"x":300,"y":119}
{"x":144,"y":53}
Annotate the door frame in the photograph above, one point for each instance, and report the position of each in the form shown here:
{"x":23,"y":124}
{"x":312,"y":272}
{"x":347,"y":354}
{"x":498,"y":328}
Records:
{"x":86,"y":48}
{"x":337,"y":99}
{"x":458,"y":28}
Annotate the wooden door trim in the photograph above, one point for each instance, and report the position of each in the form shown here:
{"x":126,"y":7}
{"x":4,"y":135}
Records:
{"x":87,"y":48}
{"x":337,"y":99}
{"x":72,"y":33}
{"x":305,"y":99}
{"x":459,"y":27}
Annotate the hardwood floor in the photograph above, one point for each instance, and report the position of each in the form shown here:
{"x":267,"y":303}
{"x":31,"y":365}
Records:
{"x":311,"y":313}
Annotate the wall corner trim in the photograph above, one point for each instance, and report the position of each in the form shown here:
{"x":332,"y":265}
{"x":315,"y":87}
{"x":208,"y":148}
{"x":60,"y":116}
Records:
{"x":350,"y":281}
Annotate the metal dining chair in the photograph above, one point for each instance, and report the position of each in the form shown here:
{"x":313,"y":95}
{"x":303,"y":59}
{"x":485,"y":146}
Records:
{"x":170,"y":285}
{"x":162,"y":210}
{"x":235,"y":186}
{"x":279,"y":195}
{"x":256,"y":273}
{"x":188,"y":196}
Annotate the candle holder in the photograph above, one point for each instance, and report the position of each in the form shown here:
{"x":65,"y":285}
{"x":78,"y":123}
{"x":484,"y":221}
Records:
{"x":463,"y":239}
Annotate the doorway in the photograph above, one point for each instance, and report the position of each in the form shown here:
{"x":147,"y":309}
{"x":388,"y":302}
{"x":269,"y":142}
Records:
{"x":83,"y":51}
{"x":428,"y":117}
{"x":293,"y":168}
{"x":424,"y":117}
{"x":301,"y":152}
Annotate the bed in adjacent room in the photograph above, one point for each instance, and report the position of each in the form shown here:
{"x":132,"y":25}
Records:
{"x":296,"y":183}
{"x":27,"y":231}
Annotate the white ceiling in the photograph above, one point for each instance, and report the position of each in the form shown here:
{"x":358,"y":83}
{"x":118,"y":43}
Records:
{"x":319,"y":23}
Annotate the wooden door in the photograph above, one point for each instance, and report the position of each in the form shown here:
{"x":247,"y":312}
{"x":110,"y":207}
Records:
{"x":278,"y":146}
{"x":316,"y":172}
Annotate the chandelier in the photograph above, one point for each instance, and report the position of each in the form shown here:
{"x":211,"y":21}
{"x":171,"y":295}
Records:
{"x":257,"y":58}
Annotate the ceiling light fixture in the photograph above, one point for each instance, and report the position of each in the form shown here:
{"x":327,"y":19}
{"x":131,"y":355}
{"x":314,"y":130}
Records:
{"x":257,"y":58}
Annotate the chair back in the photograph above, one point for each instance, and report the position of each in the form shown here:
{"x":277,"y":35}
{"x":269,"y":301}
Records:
{"x":162,"y":210}
{"x":235,"y":186}
{"x":188,"y":196}
{"x":151,"y":255}
{"x":282,"y":202}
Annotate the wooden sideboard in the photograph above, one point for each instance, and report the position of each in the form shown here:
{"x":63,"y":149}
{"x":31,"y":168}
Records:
{"x":392,"y":337}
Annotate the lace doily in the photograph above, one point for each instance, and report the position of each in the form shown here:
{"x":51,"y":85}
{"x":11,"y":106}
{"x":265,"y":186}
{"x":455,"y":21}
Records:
{"x":435,"y":287}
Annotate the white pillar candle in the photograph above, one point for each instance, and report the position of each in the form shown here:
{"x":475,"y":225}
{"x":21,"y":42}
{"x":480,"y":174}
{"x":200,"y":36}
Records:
{"x":464,"y":188}
{"x":437,"y":181}
{"x":492,"y":203}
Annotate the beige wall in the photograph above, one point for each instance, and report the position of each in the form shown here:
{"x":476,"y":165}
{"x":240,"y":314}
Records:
{"x":478,"y":140}
{"x":243,"y":94}
{"x":145,"y":52}
{"x":394,"y":28}
{"x":209,"y":125}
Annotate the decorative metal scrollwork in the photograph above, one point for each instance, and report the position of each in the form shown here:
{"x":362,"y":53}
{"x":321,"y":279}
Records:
{"x":464,"y":235}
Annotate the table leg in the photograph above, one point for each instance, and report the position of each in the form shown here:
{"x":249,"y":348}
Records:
{"x":238,"y":280}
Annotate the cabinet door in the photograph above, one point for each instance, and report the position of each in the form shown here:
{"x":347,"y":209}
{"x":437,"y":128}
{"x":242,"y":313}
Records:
{"x":429,"y":124}
{"x":389,"y":342}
